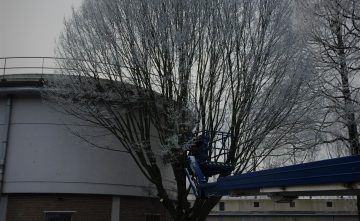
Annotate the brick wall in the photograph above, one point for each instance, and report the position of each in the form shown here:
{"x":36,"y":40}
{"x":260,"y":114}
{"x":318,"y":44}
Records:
{"x":136,"y":209}
{"x":32,"y":207}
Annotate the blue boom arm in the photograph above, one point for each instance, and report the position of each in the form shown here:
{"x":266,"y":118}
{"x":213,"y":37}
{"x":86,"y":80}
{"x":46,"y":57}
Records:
{"x":344,"y":172}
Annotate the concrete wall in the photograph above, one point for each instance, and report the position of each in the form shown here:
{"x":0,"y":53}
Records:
{"x":303,"y":210}
{"x":45,"y":157}
{"x":283,"y":218}
{"x":245,"y":205}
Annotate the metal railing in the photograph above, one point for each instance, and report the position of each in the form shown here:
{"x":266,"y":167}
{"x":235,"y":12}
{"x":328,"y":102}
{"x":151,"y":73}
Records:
{"x":28,"y":65}
{"x":218,"y":144}
{"x":49,"y":65}
{"x":77,"y":67}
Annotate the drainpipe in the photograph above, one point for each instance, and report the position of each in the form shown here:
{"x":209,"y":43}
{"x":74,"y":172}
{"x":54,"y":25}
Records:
{"x":3,"y":153}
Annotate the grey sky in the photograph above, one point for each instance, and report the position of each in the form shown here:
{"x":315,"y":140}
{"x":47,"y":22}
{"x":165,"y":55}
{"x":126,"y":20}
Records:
{"x":30,"y":27}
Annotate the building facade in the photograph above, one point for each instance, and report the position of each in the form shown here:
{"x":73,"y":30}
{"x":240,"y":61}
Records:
{"x":50,"y":174}
{"x":303,"y":209}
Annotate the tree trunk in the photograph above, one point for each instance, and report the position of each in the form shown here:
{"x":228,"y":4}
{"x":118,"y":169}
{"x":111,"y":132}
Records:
{"x":348,"y":102}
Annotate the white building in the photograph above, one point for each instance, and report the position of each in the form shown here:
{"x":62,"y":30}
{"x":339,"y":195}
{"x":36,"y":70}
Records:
{"x":49,"y":174}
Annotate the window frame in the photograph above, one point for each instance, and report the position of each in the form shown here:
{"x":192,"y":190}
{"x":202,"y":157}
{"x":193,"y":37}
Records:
{"x":157,"y":215}
{"x":329,"y":204}
{"x":292,"y":204}
{"x":71,"y":213}
{"x":221,"y":206}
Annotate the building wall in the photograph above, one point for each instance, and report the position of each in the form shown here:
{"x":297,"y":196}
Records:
{"x":247,"y":205}
{"x":137,"y":208}
{"x":317,"y":209}
{"x":44,"y":156}
{"x":33,"y":207}
{"x":48,"y":168}
{"x":2,"y":135}
{"x":283,"y":218}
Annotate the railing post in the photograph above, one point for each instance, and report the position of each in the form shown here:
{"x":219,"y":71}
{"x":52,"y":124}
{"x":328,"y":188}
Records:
{"x":4,"y":69}
{"x":42,"y":67}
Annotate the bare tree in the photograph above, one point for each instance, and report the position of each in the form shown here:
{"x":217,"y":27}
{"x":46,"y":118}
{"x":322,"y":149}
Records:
{"x":334,"y":41}
{"x":350,"y":10}
{"x":166,"y":68}
{"x":335,"y":48}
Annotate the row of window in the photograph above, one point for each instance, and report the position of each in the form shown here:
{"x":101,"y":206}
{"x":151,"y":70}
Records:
{"x":257,"y":204}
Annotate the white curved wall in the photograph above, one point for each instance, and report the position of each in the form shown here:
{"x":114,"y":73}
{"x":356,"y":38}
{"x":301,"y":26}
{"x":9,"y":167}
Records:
{"x":45,"y":157}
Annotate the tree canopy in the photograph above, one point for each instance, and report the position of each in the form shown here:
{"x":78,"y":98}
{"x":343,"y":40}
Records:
{"x":167,"y":68}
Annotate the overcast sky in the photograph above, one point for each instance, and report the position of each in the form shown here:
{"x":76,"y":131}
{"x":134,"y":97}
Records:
{"x":30,"y":27}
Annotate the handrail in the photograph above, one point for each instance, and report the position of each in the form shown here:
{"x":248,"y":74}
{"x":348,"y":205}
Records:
{"x":31,"y":57}
{"x":58,"y":58}
{"x":49,"y":65}
{"x":9,"y":64}
{"x":39,"y":65}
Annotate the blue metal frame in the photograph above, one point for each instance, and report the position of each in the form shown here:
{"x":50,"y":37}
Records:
{"x":333,"y":171}
{"x":195,"y":175}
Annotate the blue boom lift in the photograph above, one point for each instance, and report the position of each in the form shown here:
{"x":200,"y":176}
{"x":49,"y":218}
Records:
{"x":207,"y":157}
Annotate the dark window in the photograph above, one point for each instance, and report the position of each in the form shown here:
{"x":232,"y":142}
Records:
{"x":329,"y":204}
{"x":58,"y":216}
{"x":152,"y":217}
{"x":292,"y":204}
{"x":221,"y":206}
{"x":256,"y":204}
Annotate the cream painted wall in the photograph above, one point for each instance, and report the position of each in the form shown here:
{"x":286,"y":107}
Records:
{"x":237,"y":209}
{"x":246,"y":205}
